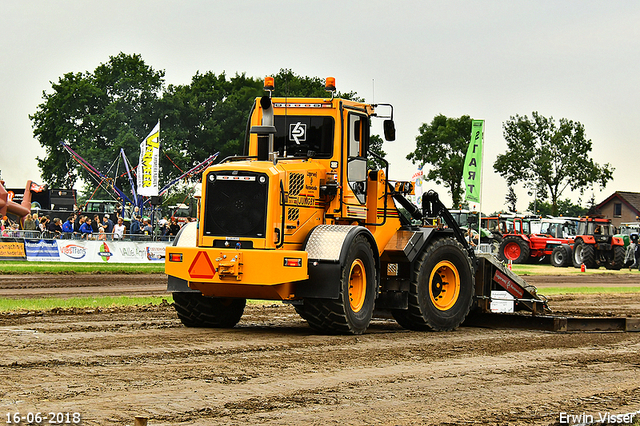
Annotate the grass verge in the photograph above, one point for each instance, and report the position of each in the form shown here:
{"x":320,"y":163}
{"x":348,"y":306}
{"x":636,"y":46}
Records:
{"x":79,"y":302}
{"x":586,"y":290}
{"x":545,"y":269}
{"x":14,"y":268}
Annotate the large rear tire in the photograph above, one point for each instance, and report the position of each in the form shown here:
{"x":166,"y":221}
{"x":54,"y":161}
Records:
{"x":351,"y":313}
{"x":441,"y":290}
{"x":617,"y":261}
{"x":584,"y":253}
{"x":196,"y":310}
{"x":514,"y":249}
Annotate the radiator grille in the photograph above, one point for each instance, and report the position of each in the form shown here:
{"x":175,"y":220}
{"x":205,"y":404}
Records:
{"x":236,"y":204}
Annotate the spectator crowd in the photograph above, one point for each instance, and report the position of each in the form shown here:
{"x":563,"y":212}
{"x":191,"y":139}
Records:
{"x":79,"y":226}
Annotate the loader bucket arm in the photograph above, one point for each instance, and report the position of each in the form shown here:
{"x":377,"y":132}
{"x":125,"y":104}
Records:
{"x":432,"y":206}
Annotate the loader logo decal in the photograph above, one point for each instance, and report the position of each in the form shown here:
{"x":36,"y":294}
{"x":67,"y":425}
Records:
{"x":298,"y":132}
{"x":300,"y":201}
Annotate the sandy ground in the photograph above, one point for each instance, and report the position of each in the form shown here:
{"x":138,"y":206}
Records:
{"x":111,"y":365}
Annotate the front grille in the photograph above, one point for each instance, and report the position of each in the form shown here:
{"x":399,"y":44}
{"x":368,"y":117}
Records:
{"x":236,"y":204}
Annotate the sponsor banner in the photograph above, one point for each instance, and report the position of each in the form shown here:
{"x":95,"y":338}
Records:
{"x":41,"y":250}
{"x":12,"y":250}
{"x":148,"y":167}
{"x":473,"y":162}
{"x":111,"y":251}
{"x":72,"y":250}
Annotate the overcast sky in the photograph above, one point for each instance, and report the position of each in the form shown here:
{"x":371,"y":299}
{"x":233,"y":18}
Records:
{"x":488,"y":59}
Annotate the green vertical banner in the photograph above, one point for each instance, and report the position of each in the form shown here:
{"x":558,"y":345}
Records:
{"x":473,"y":162}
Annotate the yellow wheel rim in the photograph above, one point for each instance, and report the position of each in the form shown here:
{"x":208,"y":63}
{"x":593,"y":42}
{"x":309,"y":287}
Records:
{"x":357,"y":285}
{"x":444,"y":285}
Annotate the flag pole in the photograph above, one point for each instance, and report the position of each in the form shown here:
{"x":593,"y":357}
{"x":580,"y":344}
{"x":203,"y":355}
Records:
{"x":481,"y":181}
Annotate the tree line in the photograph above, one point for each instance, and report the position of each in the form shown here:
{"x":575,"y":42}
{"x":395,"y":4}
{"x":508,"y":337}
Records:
{"x":545,"y":156}
{"x":98,"y":113}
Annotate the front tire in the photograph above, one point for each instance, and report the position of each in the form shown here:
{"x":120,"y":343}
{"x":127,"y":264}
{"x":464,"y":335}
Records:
{"x":441,"y":290}
{"x":196,"y":310}
{"x":351,"y":313}
{"x":561,"y":256}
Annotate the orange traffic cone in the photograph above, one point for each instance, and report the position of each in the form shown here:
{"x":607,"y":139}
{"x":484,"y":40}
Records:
{"x":509,"y":265}
{"x":583,"y":268}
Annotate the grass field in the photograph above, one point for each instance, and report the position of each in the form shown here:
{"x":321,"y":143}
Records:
{"x":49,"y":303}
{"x":587,"y":290}
{"x":9,"y":267}
{"x":545,"y":269}
{"x":123,"y":268}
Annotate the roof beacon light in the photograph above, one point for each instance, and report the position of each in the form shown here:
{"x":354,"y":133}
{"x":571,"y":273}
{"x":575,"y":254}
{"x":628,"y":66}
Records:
{"x":268,"y":84}
{"x":330,"y":84}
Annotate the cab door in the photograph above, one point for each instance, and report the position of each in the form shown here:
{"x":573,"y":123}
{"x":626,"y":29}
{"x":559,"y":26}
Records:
{"x":357,"y":145}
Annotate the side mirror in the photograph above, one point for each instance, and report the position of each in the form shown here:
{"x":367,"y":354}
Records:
{"x":389,"y":130}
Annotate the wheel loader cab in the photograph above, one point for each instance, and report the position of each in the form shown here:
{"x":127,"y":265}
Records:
{"x":332,"y":132}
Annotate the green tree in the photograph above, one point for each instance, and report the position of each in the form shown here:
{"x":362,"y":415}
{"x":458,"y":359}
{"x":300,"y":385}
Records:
{"x":443,"y":144}
{"x":375,"y":146}
{"x":511,"y":199}
{"x":207,"y":116}
{"x":115,"y":106}
{"x":287,"y":83}
{"x":565,"y":208}
{"x":549,"y":157}
{"x":96,"y":114}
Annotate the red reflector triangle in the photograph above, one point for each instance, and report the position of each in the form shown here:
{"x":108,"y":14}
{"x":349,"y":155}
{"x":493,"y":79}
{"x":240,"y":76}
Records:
{"x":201,"y":267}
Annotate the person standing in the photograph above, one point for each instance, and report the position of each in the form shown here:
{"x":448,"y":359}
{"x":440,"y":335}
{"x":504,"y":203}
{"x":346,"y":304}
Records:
{"x":29,"y":223}
{"x":85,"y":229}
{"x":147,"y":229}
{"x":635,"y":251}
{"x":95,"y":223}
{"x":107,"y":223}
{"x":119,"y":230}
{"x":55,"y":228}
{"x":174,"y":228}
{"x":135,"y":225}
{"x":67,"y":227}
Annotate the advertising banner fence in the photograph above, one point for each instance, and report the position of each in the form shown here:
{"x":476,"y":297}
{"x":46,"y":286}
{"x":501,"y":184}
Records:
{"x":111,"y":251}
{"x":12,"y":249}
{"x":41,"y":250}
{"x":83,"y":251}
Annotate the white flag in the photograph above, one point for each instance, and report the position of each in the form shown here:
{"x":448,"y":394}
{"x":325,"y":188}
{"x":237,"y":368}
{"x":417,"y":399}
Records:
{"x":149,"y":165}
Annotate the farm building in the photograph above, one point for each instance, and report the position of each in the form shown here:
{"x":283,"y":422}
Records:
{"x":621,"y":206}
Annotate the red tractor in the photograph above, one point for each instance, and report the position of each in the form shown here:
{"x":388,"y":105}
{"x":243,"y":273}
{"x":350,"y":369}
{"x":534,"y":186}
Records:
{"x":520,"y":246}
{"x":597,"y":245}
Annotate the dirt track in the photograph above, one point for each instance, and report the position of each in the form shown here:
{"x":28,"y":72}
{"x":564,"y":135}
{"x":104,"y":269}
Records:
{"x":113,"y":364}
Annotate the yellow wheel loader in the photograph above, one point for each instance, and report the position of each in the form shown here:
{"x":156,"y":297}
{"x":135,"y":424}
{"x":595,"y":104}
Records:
{"x":301,"y":218}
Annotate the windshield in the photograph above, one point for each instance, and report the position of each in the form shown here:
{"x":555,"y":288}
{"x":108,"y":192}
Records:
{"x":301,"y":135}
{"x":591,"y":228}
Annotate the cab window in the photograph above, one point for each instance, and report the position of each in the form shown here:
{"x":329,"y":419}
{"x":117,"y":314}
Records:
{"x":357,"y":145}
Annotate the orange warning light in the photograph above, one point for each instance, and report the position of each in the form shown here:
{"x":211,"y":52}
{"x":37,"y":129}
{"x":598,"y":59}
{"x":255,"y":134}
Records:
{"x":269,"y":83}
{"x":330,"y":84}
